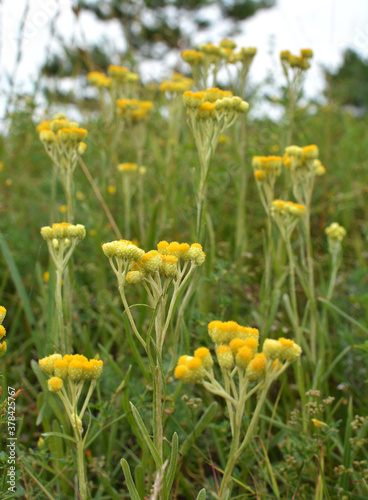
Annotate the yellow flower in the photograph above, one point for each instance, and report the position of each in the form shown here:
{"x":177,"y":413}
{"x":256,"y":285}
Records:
{"x":111,"y":189}
{"x":2,"y":313}
{"x":225,"y":357}
{"x":204,"y":354}
{"x":256,"y":368}
{"x":3,"y":348}
{"x":63,"y":209}
{"x":190,"y":370}
{"x":318,"y":423}
{"x":335,"y":232}
{"x":243,"y":357}
{"x":55,"y":384}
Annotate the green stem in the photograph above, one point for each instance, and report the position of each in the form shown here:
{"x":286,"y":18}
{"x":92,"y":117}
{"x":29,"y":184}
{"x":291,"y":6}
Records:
{"x":82,"y":477}
{"x":60,"y":341}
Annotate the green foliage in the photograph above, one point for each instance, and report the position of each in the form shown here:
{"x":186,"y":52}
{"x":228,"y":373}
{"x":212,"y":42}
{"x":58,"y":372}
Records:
{"x":349,"y":82}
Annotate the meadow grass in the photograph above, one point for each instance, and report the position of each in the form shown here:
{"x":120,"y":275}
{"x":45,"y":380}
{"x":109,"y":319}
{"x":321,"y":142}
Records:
{"x":309,"y":435}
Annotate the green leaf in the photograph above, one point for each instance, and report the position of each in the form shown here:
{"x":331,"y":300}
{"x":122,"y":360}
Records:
{"x":16,"y":277}
{"x":59,"y":434}
{"x":139,"y":477}
{"x":134,"y":495}
{"x":202,"y":495}
{"x":199,"y":427}
{"x":343,"y":314}
{"x":146,"y":436}
{"x":171,"y":469}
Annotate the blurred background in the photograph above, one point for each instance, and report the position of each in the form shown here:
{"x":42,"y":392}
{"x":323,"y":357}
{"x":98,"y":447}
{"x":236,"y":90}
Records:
{"x":47,"y":46}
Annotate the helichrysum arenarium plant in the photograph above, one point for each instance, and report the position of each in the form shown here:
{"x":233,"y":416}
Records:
{"x":63,"y":142}
{"x":119,"y":83}
{"x":163,"y":273}
{"x":304,"y":167}
{"x":335,"y":235}
{"x":210,"y":112}
{"x":67,"y":376}
{"x":245,"y":372}
{"x":294,"y":68}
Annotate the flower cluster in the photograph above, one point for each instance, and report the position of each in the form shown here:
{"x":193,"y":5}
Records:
{"x":2,"y":331}
{"x":211,"y":112}
{"x":287,"y":208}
{"x":335,"y":235}
{"x":304,"y":166}
{"x":99,"y":79}
{"x":335,"y":232}
{"x":213,"y":104}
{"x":286,"y":215}
{"x":61,"y":138}
{"x":301,"y":62}
{"x":75,"y":367}
{"x":127,"y":167}
{"x":177,"y":85}
{"x":117,"y":75}
{"x":236,"y":349}
{"x":123,"y":250}
{"x":165,"y":261}
{"x":63,"y":231}
{"x":134,"y":111}
{"x":62,"y":238}
{"x":267,"y":168}
{"x":208,"y":59}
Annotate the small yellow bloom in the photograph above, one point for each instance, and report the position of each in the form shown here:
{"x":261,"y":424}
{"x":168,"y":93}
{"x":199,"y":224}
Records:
{"x":2,"y":313}
{"x":111,"y":189}
{"x":46,"y":276}
{"x":63,"y":209}
{"x":318,"y":423}
{"x":55,"y":384}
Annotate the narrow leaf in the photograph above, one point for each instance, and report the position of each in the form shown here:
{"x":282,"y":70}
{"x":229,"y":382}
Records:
{"x":129,"y":480}
{"x":146,"y":436}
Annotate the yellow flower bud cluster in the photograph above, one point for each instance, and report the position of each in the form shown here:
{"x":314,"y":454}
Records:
{"x":127,"y":167}
{"x":122,"y":74}
{"x":134,"y":111}
{"x":123,"y":250}
{"x":209,"y":53}
{"x":63,"y":231}
{"x":287,"y":208}
{"x":3,"y":345}
{"x":301,"y":62}
{"x":213,"y":103}
{"x":303,"y":163}
{"x":245,"y":56}
{"x":192,"y":369}
{"x":165,"y":260}
{"x":266,"y":167}
{"x":177,"y":85}
{"x":98,"y":79}
{"x":319,"y":169}
{"x":281,"y":349}
{"x":183,"y":251}
{"x":61,"y":132}
{"x":335,"y":232}
{"x":75,"y":367}
{"x":223,"y":332}
{"x":237,"y":348}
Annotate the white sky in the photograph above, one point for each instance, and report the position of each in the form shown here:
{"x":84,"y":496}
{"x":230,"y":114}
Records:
{"x":326,"y":26}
